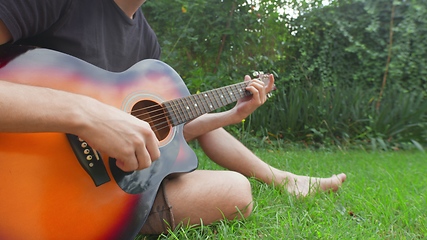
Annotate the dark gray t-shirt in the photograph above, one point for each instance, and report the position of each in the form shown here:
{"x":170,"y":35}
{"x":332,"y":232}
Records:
{"x":97,"y":31}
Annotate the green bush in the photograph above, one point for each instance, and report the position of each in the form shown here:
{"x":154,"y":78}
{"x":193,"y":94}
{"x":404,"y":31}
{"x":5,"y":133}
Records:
{"x":342,"y":116}
{"x":352,"y":71}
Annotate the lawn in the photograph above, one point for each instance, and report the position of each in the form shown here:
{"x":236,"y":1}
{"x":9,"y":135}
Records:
{"x":384,"y":197}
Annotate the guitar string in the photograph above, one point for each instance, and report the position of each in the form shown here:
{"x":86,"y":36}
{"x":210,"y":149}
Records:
{"x":186,"y":98}
{"x":164,"y":124}
{"x":154,"y":106}
{"x":264,"y":79}
{"x":161,"y":116}
{"x":203,"y":107}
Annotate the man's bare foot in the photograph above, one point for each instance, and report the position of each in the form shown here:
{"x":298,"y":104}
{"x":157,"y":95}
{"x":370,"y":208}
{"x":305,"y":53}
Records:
{"x":302,"y":185}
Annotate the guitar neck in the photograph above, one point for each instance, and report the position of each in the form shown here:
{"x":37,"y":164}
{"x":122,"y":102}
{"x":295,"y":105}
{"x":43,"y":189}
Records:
{"x":187,"y":108}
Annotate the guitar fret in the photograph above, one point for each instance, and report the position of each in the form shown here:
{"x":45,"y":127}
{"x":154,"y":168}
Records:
{"x":187,"y":108}
{"x":199,"y":106}
{"x":223,"y":96}
{"x":169,"y":112}
{"x":179,"y":111}
{"x":239,"y":91}
{"x":215,"y":98}
{"x":229,"y":95}
{"x":204,"y":100}
{"x":211,"y":104}
{"x":176,"y":114}
{"x":204,"y":105}
{"x":176,"y":111}
{"x":195,"y":105}
{"x":192,"y":106}
{"x":236,"y":90}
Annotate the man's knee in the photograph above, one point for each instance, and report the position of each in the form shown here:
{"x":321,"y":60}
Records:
{"x":242,"y":194}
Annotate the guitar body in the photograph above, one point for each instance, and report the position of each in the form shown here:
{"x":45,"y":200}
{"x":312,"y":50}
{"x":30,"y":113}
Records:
{"x":45,"y":192}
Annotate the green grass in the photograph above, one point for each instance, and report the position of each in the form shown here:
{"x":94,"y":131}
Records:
{"x":384,"y":197}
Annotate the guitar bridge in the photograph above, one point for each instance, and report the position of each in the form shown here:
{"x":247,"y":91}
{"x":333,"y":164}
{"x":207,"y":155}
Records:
{"x":89,"y":159}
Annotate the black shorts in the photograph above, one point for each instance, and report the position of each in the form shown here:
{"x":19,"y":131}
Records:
{"x":160,"y":219}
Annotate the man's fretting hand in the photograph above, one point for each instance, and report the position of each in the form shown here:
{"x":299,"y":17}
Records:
{"x":259,"y":90}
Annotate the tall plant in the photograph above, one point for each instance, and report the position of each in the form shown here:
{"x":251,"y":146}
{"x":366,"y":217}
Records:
{"x":214,"y":43}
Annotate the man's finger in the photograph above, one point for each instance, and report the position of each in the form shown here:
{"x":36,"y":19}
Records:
{"x":143,"y":158}
{"x":128,"y":165}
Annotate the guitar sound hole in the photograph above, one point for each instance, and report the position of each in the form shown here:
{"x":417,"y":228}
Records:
{"x":154,"y":114}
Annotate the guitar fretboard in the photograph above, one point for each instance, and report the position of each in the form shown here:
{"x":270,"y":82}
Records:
{"x":185,"y":109}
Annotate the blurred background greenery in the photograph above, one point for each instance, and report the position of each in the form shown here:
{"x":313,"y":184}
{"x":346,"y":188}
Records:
{"x":348,"y":72}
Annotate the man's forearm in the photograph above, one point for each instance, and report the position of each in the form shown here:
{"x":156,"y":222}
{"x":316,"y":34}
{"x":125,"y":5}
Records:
{"x":34,"y":109}
{"x":208,"y":122}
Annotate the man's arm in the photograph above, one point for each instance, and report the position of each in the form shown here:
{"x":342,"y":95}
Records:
{"x":107,"y":129}
{"x":225,"y":150}
{"x":221,"y":146}
{"x":111,"y":131}
{"x":243,"y":108}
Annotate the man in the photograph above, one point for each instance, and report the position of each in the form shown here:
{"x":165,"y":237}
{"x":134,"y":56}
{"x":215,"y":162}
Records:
{"x":113,"y":34}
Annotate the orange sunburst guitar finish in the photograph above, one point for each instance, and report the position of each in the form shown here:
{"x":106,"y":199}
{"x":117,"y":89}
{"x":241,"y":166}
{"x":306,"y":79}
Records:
{"x":48,"y":192}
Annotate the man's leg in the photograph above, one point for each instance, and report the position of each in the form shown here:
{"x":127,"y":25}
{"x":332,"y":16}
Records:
{"x":199,"y":197}
{"x":160,"y":218}
{"x":227,"y":151}
{"x":205,"y":196}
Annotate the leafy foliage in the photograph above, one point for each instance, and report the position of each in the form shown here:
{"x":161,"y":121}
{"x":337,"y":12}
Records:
{"x":344,"y":117}
{"x":347,"y":44}
{"x":214,"y":43}
{"x":349,"y":71}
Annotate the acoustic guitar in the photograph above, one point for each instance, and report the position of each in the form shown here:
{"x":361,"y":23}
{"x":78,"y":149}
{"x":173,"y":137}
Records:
{"x":55,"y":186}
